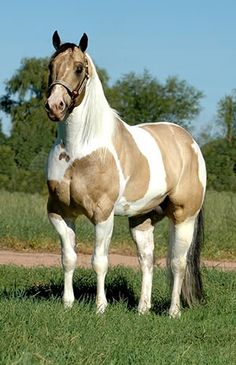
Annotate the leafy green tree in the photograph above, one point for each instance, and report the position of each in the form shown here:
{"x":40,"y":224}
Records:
{"x":32,"y":133}
{"x":207,"y":134}
{"x":7,"y":166}
{"x":2,"y":135}
{"x":226,"y":113}
{"x":141,"y":98}
{"x":220,"y":154}
{"x":220,"y":159}
{"x":30,"y":80}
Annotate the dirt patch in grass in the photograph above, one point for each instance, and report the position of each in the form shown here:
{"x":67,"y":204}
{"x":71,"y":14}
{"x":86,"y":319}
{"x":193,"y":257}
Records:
{"x":33,"y":259}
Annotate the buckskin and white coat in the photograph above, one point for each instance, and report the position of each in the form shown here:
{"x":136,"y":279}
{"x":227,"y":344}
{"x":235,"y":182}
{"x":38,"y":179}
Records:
{"x":100,"y":167}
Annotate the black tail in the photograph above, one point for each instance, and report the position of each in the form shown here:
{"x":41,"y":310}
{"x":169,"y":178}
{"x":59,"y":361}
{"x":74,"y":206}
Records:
{"x":192,"y":289}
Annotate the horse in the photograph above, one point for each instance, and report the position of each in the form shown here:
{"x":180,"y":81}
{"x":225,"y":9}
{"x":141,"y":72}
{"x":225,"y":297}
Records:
{"x":100,"y":167}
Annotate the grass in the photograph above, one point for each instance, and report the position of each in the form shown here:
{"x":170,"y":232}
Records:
{"x":24,"y":226}
{"x":35,"y":329}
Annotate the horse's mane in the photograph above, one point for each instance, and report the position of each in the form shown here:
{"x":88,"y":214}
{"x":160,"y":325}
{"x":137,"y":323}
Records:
{"x":99,"y":116}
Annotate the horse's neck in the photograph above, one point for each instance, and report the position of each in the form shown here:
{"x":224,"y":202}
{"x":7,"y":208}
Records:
{"x":91,"y":124}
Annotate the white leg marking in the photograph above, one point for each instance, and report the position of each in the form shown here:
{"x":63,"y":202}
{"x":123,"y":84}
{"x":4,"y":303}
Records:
{"x":145,"y":246}
{"x":66,"y":230}
{"x":181,"y":239}
{"x":103,"y":233}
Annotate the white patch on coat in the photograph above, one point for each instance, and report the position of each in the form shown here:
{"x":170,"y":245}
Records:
{"x":56,"y":167}
{"x":201,"y":164}
{"x":157,"y":182}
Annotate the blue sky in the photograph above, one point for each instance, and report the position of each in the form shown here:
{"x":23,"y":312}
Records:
{"x":195,"y":40}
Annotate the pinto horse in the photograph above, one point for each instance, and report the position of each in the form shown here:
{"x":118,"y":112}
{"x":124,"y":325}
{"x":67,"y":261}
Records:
{"x":100,"y":166}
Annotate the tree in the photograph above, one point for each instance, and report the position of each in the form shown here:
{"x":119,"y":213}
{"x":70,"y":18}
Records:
{"x":31,"y":134}
{"x":30,"y":80}
{"x":141,"y":98}
{"x":220,"y":159}
{"x":2,"y":135}
{"x":227,"y":115}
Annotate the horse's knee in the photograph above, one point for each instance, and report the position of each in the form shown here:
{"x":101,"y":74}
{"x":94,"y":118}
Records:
{"x":69,"y":259}
{"x":100,"y":264}
{"x":178,"y":265}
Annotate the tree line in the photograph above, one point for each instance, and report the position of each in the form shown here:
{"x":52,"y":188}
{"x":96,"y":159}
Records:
{"x":137,"y":98}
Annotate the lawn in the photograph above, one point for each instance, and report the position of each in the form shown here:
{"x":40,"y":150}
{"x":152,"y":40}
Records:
{"x":35,"y":328}
{"x":24,"y":225}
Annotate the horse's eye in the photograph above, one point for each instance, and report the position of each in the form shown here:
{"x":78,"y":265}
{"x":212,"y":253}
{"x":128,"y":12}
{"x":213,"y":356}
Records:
{"x":79,"y":69}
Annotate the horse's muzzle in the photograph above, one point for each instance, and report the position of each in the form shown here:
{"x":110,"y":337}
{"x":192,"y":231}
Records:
{"x":56,"y":112}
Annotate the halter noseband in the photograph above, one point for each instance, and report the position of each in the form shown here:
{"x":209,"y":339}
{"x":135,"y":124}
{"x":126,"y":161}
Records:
{"x":74,"y":93}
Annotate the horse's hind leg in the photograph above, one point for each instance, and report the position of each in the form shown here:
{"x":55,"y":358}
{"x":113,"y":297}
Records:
{"x":66,"y":231}
{"x":181,"y":236}
{"x":142,"y":234}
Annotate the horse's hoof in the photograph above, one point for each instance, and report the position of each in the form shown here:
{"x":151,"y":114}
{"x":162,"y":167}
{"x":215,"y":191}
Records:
{"x":143,"y":309}
{"x":174,"y":313}
{"x":68,"y":304}
{"x":101,"y":308}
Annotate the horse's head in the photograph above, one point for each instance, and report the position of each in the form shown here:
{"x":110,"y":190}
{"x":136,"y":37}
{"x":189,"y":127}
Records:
{"x":68,"y":75}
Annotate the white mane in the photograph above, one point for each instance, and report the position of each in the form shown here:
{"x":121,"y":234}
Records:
{"x":92,"y":122}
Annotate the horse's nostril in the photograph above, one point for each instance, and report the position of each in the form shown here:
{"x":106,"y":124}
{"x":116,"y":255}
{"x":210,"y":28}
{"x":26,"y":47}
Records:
{"x":62,"y":105}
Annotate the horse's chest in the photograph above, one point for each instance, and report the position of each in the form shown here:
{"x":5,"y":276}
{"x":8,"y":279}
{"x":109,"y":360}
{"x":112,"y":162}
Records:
{"x":58,"y":163}
{"x":88,"y":184}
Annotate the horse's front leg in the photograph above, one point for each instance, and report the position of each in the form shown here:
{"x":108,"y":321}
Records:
{"x":66,"y":230}
{"x":142,"y":233}
{"x":103,"y":233}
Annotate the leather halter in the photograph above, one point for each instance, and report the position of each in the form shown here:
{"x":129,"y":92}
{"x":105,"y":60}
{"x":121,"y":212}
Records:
{"x":74,"y":93}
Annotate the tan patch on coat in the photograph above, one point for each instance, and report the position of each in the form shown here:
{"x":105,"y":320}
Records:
{"x":184,"y":189}
{"x":90,"y":186}
{"x":133,"y":163}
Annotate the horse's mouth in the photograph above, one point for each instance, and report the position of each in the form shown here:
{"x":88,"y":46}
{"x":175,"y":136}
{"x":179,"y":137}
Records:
{"x":56,"y":116}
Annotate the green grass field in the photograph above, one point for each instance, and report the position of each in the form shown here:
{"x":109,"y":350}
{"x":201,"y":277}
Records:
{"x":35,"y":328}
{"x":24,"y":225}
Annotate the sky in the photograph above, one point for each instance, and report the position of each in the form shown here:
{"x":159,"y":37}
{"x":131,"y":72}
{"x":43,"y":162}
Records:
{"x":194,"y":40}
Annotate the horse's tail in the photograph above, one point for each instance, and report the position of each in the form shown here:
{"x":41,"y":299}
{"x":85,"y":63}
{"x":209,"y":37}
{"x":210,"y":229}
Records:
{"x":192,"y":289}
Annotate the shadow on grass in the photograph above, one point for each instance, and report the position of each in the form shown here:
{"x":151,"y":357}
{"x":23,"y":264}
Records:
{"x":122,"y":285}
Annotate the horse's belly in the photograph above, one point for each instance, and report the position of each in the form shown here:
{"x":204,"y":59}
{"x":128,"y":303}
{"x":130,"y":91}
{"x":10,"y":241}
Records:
{"x":146,"y":204}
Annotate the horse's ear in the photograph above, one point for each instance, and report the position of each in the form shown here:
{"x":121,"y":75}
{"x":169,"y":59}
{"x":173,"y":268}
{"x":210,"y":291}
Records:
{"x":56,"y":41}
{"x":83,"y":43}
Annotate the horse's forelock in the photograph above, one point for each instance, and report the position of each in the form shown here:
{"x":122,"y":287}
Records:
{"x":63,"y":48}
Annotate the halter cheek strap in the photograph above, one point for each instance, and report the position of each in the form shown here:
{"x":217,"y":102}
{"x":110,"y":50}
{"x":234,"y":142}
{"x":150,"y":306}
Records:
{"x":62,"y":83}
